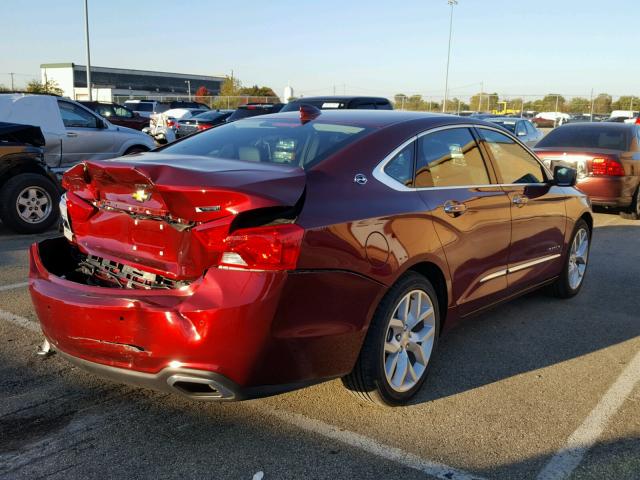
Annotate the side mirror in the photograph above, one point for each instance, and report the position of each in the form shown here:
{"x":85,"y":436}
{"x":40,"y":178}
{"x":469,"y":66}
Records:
{"x":565,"y":176}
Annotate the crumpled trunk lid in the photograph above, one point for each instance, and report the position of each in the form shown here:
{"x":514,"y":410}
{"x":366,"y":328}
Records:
{"x":159,"y":212}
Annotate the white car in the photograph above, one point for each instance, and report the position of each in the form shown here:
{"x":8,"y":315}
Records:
{"x":163,"y":125}
{"x":72,"y":132}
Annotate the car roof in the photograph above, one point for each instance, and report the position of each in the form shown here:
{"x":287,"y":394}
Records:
{"x":381,"y":118}
{"x":598,"y":125}
{"x":338,"y":98}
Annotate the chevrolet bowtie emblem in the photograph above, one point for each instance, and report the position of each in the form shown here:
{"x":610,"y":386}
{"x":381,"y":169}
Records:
{"x":141,"y":195}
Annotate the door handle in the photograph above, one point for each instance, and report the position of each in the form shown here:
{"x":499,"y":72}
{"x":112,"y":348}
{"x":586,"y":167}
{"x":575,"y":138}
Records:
{"x":72,"y":134}
{"x":520,"y":200}
{"x":453,"y":208}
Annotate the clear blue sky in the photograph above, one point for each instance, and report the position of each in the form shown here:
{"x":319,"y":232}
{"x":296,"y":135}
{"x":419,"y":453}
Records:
{"x":377,"y":47}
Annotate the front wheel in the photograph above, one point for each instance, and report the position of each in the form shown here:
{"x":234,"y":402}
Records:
{"x":571,"y":279}
{"x":394,"y":359}
{"x":29,"y":203}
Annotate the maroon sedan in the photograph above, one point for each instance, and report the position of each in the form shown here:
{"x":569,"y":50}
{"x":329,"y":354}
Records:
{"x":607,"y":158}
{"x":284,"y":250}
{"x":118,"y":115}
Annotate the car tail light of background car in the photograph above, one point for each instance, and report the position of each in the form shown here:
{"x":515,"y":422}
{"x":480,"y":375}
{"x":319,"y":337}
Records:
{"x":606,"y":167}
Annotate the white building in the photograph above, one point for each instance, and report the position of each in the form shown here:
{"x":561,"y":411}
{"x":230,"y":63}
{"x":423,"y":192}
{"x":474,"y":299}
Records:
{"x":108,"y":82}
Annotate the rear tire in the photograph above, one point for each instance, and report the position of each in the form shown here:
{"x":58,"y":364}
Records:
{"x":633,"y":212}
{"x":29,"y":203}
{"x":136,"y":149}
{"x":574,"y":270}
{"x":394,"y":360}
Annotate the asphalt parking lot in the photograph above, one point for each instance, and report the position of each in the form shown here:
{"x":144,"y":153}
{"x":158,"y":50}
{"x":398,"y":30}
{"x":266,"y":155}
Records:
{"x":537,"y":388}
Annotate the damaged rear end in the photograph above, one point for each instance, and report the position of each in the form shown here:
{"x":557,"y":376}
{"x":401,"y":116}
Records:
{"x":151,"y":225}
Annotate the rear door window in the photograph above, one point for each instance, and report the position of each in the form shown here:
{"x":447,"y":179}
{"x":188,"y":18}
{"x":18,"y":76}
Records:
{"x":450,"y":158}
{"x":514,"y":163}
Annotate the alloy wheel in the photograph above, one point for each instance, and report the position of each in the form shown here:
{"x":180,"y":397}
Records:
{"x":409,"y":340}
{"x":34,"y":204}
{"x":578,"y":257}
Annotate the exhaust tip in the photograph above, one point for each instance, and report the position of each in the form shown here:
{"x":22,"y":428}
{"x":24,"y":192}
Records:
{"x":200,"y":388}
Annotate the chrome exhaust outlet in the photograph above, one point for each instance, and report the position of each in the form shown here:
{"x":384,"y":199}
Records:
{"x":199,"y":388}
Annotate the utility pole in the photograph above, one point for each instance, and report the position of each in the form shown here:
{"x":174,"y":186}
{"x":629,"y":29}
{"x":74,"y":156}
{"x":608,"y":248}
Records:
{"x":13,"y":74}
{"x":188,"y":82}
{"x":592,"y":101}
{"x":86,"y":34}
{"x":446,"y":81}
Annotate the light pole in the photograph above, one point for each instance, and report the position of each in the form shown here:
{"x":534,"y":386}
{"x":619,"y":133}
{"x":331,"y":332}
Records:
{"x":446,"y":81}
{"x":86,"y":34}
{"x":188,"y":82}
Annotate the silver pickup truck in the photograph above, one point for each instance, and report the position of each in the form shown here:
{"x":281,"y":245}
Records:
{"x":72,"y":133}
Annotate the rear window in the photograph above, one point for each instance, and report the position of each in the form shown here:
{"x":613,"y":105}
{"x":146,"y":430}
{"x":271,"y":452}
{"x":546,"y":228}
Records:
{"x":250,"y":112}
{"x":601,"y":137}
{"x":287,"y":142}
{"x":140,"y":107}
{"x":511,"y":126}
{"x":211,"y":115}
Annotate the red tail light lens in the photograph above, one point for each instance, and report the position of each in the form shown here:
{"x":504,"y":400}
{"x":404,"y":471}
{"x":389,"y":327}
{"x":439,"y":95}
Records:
{"x":263,"y":248}
{"x":606,"y":167}
{"x":170,"y":122}
{"x":203,"y":127}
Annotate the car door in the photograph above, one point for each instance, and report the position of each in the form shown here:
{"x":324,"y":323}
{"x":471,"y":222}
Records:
{"x":471,"y":214}
{"x":538,"y":215}
{"x":86,"y":136}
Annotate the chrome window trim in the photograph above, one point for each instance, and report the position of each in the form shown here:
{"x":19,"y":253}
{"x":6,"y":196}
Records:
{"x":380,"y":175}
{"x":521,"y":266}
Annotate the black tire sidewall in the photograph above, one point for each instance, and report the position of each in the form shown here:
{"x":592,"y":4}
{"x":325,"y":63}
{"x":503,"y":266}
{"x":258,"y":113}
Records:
{"x":8,"y":197}
{"x":411,"y":281}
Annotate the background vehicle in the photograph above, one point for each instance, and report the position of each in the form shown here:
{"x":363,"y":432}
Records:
{"x":118,"y":114}
{"x":72,"y":132}
{"x":253,"y":110}
{"x":146,"y":108}
{"x":265,"y":219}
{"x":523,"y":129}
{"x":29,"y":190}
{"x":339,"y":103}
{"x":606,"y":157}
{"x":173,"y":115}
{"x":202,"y":121}
{"x":550,"y":119}
{"x":188,"y":104}
{"x":504,"y":111}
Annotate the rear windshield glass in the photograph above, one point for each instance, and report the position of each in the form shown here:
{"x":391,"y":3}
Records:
{"x":511,"y":126}
{"x":602,"y":137}
{"x":287,"y":142}
{"x":211,"y":115}
{"x":140,"y":107}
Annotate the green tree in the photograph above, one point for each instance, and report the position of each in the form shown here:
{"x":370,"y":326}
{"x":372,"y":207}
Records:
{"x":483,"y":101}
{"x":602,"y":103}
{"x":579,"y":105}
{"x":256,"y":91}
{"x":50,"y":86}
{"x":626,"y":102}
{"x":552,"y":101}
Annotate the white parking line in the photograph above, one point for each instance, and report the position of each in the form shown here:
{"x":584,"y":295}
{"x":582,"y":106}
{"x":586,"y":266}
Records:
{"x":19,"y":321}
{"x":352,"y":439}
{"x":13,"y":286}
{"x":585,"y":437}
{"x":371,"y":446}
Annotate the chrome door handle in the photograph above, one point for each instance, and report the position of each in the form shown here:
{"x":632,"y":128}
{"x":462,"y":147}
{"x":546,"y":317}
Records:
{"x":520,"y":200}
{"x":72,"y":134}
{"x":454,"y":208}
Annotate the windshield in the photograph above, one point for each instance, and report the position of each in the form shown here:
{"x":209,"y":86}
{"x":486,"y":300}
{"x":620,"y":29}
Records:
{"x":271,"y":140}
{"x":605,"y":137}
{"x":511,"y":126}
